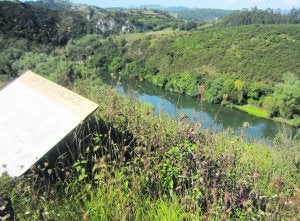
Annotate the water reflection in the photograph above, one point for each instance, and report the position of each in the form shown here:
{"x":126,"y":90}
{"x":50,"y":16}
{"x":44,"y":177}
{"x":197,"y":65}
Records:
{"x":174,"y":104}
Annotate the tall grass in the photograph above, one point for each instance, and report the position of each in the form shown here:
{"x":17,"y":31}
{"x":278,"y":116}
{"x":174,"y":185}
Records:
{"x":126,"y":163}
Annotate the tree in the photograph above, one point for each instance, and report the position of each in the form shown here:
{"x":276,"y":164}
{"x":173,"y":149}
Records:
{"x":241,"y":89}
{"x":287,"y":96}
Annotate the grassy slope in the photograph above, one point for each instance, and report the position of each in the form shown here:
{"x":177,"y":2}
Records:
{"x":180,"y":172}
{"x":260,"y":112}
{"x":141,"y":166}
{"x":254,"y":110}
{"x":250,"y":52}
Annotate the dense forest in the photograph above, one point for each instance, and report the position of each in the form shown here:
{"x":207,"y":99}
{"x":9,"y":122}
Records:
{"x":259,"y":16}
{"x":128,"y":163}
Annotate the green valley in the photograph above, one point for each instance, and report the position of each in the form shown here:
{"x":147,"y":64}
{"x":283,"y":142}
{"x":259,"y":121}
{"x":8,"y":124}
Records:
{"x":126,"y":162}
{"x":250,"y":64}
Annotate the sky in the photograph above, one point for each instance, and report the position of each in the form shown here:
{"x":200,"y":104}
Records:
{"x":223,"y":4}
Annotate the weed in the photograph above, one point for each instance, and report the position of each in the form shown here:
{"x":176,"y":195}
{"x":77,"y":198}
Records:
{"x":139,"y":166}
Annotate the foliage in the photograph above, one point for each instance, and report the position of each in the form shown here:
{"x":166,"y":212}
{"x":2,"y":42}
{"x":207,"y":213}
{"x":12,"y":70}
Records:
{"x":117,"y":166}
{"x":259,"y":16}
{"x":180,"y":61}
{"x":56,"y":5}
{"x":199,"y":14}
{"x":126,"y":163}
{"x":270,"y":51}
{"x":287,"y":95}
{"x":38,"y":24}
{"x":126,"y":170}
{"x":254,"y":110}
{"x":184,"y":83}
{"x":222,"y":59}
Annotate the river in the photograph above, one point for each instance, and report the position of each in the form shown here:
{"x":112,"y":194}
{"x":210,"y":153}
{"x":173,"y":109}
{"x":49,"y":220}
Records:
{"x":208,"y":115}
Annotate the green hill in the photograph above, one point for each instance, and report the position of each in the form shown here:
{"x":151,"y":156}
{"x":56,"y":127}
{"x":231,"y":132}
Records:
{"x":251,"y":64}
{"x":259,"y":16}
{"x":246,"y":63}
{"x":194,"y":14}
{"x":248,"y":52}
{"x":64,"y":5}
{"x":199,"y":14}
{"x":39,"y":23}
{"x":127,"y":163}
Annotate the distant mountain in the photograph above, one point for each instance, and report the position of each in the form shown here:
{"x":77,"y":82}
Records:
{"x":191,"y":14}
{"x":199,"y":14}
{"x":184,"y":13}
{"x":64,"y":5}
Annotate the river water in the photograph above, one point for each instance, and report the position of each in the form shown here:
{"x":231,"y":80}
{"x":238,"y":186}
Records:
{"x":208,"y":115}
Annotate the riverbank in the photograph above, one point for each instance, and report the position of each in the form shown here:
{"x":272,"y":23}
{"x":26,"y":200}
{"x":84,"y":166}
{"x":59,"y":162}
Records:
{"x":136,"y":165}
{"x":261,"y":112}
{"x":211,"y":116}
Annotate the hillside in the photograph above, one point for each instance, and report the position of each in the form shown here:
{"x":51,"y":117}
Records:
{"x":222,"y":59}
{"x":44,"y":25}
{"x":192,"y":14}
{"x":199,"y":14}
{"x":259,"y":16}
{"x":64,"y":5}
{"x":250,"y":64}
{"x":248,"y":52}
{"x":125,"y":162}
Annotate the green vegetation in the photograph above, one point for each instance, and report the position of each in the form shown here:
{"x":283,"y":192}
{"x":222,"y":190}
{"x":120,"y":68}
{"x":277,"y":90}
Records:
{"x":199,"y":14}
{"x":259,"y":16}
{"x":223,"y":60}
{"x":254,"y":110}
{"x":44,"y":25}
{"x":188,"y":14}
{"x":63,"y":5}
{"x":22,"y":20}
{"x":248,"y":52}
{"x":125,"y":162}
{"x":124,"y":170}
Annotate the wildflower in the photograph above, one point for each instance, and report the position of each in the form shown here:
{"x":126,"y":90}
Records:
{"x":49,"y":171}
{"x":227,"y":197}
{"x":201,"y":90}
{"x":46,"y":164}
{"x":246,"y":125}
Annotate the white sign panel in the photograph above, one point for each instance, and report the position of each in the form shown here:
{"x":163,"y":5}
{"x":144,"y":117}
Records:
{"x":35,"y":114}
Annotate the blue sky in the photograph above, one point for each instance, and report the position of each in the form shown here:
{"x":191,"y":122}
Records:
{"x":224,"y":4}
